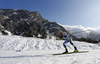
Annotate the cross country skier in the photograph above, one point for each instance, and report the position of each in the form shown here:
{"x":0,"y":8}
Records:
{"x":67,"y":38}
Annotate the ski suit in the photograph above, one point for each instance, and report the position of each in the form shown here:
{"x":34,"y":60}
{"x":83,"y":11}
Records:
{"x":67,"y":39}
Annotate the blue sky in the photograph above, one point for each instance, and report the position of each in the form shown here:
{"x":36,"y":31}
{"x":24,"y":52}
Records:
{"x":65,"y":12}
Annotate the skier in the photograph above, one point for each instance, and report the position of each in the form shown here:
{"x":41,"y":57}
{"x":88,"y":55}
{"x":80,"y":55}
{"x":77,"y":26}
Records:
{"x":67,"y":38}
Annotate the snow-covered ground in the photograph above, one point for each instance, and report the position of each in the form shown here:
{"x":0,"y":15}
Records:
{"x":24,"y":50}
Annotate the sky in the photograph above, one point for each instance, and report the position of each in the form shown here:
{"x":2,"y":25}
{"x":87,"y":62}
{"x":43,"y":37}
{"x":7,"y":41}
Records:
{"x":65,"y":12}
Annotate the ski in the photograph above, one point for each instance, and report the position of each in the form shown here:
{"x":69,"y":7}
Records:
{"x":71,"y":52}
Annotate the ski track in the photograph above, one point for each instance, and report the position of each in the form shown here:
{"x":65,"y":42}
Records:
{"x":23,"y":50}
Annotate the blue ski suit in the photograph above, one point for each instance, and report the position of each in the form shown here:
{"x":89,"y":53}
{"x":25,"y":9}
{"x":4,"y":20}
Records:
{"x":67,"y":38}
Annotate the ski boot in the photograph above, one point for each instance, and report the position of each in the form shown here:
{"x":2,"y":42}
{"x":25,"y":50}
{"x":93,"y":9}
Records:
{"x":75,"y":49}
{"x":66,"y":51}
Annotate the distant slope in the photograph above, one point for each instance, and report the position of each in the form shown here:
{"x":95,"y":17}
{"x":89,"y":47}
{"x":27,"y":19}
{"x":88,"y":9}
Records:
{"x":84,"y":34}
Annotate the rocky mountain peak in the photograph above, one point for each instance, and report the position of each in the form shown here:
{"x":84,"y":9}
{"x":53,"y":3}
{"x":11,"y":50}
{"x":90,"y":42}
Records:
{"x":26,"y":23}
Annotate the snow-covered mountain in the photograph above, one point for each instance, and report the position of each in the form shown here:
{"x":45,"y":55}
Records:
{"x":88,"y":34}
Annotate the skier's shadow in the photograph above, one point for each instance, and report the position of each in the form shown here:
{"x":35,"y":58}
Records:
{"x":23,"y":56}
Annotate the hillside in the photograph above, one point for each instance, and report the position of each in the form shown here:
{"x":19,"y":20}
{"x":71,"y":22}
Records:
{"x":26,"y":23}
{"x":25,"y":43}
{"x":91,"y":35}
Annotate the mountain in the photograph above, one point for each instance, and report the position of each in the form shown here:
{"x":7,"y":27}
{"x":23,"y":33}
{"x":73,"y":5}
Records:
{"x":27,"y":23}
{"x":32,"y":24}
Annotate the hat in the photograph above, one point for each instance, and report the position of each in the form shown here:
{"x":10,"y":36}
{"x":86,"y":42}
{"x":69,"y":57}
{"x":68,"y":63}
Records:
{"x":60,"y":32}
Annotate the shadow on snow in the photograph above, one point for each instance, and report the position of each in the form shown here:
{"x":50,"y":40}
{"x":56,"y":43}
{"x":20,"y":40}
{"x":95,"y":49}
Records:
{"x":23,"y":56}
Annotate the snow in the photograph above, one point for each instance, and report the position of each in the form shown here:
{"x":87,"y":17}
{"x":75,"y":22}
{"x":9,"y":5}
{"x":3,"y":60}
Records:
{"x":25,"y":50}
{"x":43,"y":57}
{"x":82,"y":32}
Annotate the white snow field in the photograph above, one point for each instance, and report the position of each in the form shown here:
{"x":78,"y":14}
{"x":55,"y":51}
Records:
{"x":24,"y":50}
